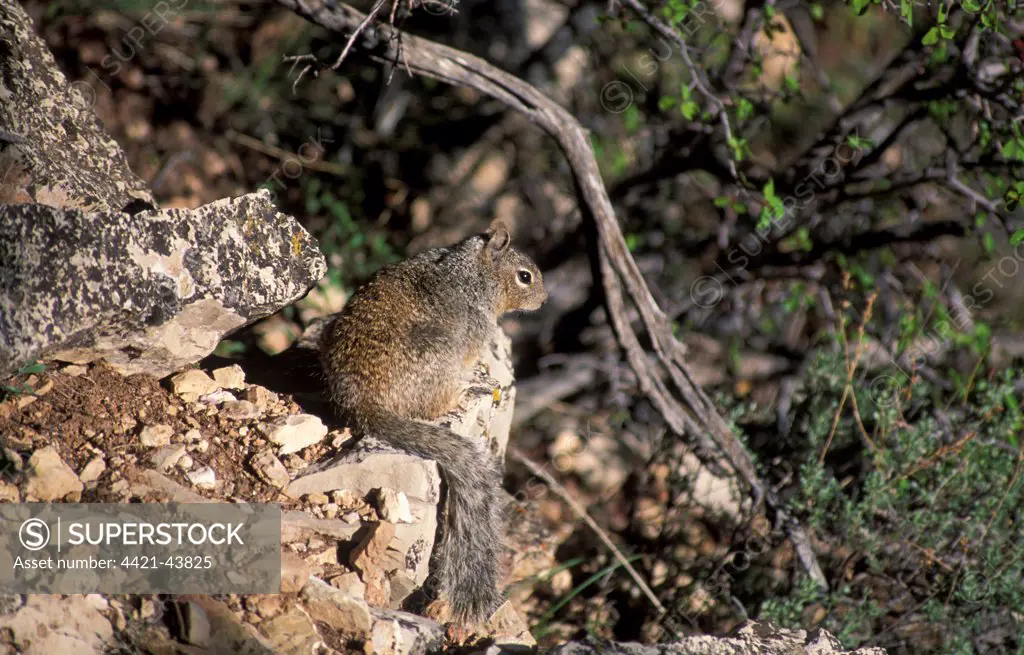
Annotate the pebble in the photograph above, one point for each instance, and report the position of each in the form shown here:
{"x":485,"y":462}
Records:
{"x":230,"y":377}
{"x":217,"y":397}
{"x":204,"y":477}
{"x":154,"y":436}
{"x":240,"y":410}
{"x":168,"y":456}
{"x":193,"y":383}
{"x":270,"y":468}
{"x":393,"y":506}
{"x":260,"y":396}
{"x":295,"y":432}
{"x":93,"y":470}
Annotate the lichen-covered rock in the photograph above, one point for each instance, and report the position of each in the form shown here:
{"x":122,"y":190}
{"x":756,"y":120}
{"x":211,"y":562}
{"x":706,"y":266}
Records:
{"x":89,"y":267}
{"x":150,"y":292}
{"x":62,"y":155}
{"x":754,"y":638}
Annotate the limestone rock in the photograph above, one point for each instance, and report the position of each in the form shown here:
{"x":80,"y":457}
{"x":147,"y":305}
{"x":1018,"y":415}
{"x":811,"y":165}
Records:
{"x":192,"y":384}
{"x":198,"y":630}
{"x":93,"y":470}
{"x":204,"y":477}
{"x":294,"y":572}
{"x":370,"y":465}
{"x":240,"y":410}
{"x":270,"y":468}
{"x":158,"y":290}
{"x":260,"y":396}
{"x":46,"y":625}
{"x":393,"y":506}
{"x":154,"y":436}
{"x":329,"y":605}
{"x":401,"y":633}
{"x":295,"y":432}
{"x":218,"y":397}
{"x":49,"y":478}
{"x":292,"y":633}
{"x":230,"y":377}
{"x":9,"y":493}
{"x":350,"y":585}
{"x":508,"y":628}
{"x":227,"y":633}
{"x":168,"y":456}
{"x":87,"y":171}
{"x":369,"y":553}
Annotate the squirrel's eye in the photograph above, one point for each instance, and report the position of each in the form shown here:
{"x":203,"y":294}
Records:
{"x":525,"y":277}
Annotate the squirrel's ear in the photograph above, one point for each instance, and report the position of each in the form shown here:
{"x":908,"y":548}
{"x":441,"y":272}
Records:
{"x":499,"y":238}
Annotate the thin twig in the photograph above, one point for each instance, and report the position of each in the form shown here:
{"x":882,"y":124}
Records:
{"x":696,"y":74}
{"x":272,"y":151}
{"x":581,"y":512}
{"x":377,"y":6}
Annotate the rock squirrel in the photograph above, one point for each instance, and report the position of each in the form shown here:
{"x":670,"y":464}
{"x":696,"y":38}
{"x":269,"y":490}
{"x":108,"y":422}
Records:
{"x":397,"y":353}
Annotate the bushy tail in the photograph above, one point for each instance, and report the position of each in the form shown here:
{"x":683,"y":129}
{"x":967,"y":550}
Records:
{"x":471,"y":542}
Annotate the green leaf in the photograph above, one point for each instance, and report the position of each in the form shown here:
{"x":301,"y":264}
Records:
{"x":744,"y":109}
{"x":690,"y":109}
{"x":632,"y":119}
{"x":1013,"y":151}
{"x":34,"y":367}
{"x":1016,"y":238}
{"x":931,"y":38}
{"x":907,"y":11}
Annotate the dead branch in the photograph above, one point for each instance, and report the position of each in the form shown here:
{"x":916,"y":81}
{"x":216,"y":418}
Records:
{"x":664,"y":378}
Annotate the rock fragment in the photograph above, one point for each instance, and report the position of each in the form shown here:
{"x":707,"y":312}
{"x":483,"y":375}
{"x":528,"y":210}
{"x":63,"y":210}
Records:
{"x":192,"y":384}
{"x":154,"y":436}
{"x":167,"y":457}
{"x":271,"y":470}
{"x":93,"y":470}
{"x":295,"y":432}
{"x":204,"y":477}
{"x":49,"y":478}
{"x":329,"y":605}
{"x":230,"y":377}
{"x":240,"y":410}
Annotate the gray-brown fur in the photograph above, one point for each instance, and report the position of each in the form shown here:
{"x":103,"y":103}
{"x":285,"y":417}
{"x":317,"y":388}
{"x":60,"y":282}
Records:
{"x":396,"y":354}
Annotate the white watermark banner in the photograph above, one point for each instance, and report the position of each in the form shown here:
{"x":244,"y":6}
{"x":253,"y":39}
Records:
{"x":144,"y":548}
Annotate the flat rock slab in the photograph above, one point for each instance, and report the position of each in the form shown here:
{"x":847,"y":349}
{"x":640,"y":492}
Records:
{"x":373,"y":465}
{"x":150,"y":292}
{"x":89,"y":267}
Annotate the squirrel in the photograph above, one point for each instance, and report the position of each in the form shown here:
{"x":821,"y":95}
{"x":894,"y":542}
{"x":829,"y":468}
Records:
{"x":394,"y":356}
